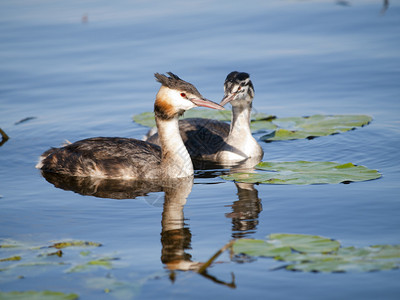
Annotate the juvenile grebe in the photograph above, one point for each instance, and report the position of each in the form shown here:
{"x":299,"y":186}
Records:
{"x":216,"y":141}
{"x":124,"y":158}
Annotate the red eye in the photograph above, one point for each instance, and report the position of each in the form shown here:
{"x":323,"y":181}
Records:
{"x":239,"y":88}
{"x":183,"y":95}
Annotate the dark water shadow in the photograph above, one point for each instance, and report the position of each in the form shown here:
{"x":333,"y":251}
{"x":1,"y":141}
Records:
{"x":246,"y":209}
{"x":104,"y":188}
{"x":209,"y":169}
{"x":175,"y":234}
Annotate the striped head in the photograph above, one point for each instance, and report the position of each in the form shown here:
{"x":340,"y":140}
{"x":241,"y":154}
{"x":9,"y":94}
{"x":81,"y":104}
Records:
{"x":176,"y":96}
{"x":238,"y":89}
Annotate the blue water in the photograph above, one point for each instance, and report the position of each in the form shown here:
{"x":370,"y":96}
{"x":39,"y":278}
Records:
{"x":83,"y":68}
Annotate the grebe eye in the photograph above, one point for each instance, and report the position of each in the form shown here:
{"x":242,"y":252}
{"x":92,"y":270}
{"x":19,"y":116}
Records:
{"x":183,"y":95}
{"x":239,"y":88}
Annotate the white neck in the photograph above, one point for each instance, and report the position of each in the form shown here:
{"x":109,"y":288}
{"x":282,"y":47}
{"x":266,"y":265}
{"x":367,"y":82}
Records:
{"x":240,"y":136}
{"x":240,"y":122}
{"x":175,"y":159}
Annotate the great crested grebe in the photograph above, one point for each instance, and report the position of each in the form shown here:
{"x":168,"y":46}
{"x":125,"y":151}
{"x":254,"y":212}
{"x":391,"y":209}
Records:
{"x":125,"y":158}
{"x":216,"y":141}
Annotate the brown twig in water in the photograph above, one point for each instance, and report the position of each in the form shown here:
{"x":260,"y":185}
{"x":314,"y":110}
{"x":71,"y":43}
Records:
{"x":216,"y":280}
{"x":4,"y":137}
{"x":204,"y":267}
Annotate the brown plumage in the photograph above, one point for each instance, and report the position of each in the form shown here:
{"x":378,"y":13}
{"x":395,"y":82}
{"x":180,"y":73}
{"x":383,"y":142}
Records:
{"x":127,"y":158}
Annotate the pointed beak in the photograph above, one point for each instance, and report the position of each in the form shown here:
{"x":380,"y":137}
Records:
{"x":206,"y":103}
{"x":227,"y":98}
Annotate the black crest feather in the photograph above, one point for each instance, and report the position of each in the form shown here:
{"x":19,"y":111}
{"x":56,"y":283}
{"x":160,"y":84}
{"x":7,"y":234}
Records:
{"x":241,"y":78}
{"x":174,"y":82}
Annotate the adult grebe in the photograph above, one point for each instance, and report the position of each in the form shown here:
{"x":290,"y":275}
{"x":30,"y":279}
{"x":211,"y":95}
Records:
{"x":216,"y":141}
{"x":124,"y":158}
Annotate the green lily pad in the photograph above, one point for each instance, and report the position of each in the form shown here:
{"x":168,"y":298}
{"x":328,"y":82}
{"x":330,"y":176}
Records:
{"x":305,"y":172}
{"x":102,"y":262}
{"x":34,"y":264}
{"x":62,"y":245}
{"x":12,"y":258}
{"x":221,"y":115}
{"x":281,"y":245}
{"x":310,"y":253}
{"x":314,"y":126}
{"x":85,"y":253}
{"x":373,"y":258}
{"x":33,"y":295}
{"x":305,"y":243}
{"x":339,"y":265}
{"x":263,"y":126}
{"x":8,"y":246}
{"x":117,"y":289}
{"x":26,"y":260}
{"x":279,"y":129}
{"x":147,"y":118}
{"x":259,"y":248}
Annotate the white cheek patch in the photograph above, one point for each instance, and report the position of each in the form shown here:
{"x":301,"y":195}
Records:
{"x":179,"y":102}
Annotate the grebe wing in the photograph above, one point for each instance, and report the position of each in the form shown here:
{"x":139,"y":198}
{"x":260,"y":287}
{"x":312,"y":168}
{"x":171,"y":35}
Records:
{"x":202,"y":137}
{"x":104,"y":157}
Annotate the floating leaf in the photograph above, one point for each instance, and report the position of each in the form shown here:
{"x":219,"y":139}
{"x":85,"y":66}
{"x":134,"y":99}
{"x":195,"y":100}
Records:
{"x":342,"y":266}
{"x":33,"y":295}
{"x":85,"y":253}
{"x":305,"y":172}
{"x":62,"y":245}
{"x":8,"y":246}
{"x":102,"y":262}
{"x":147,"y":118}
{"x":58,"y":253}
{"x":262,"y":126}
{"x":305,"y":243}
{"x":40,"y":264}
{"x":281,"y":245}
{"x":279,"y":128}
{"x":116,"y":288}
{"x":12,"y":258}
{"x":314,"y":126}
{"x":221,"y":115}
{"x":8,"y":243}
{"x":259,"y":248}
{"x":373,"y":258}
{"x":318,"y":254}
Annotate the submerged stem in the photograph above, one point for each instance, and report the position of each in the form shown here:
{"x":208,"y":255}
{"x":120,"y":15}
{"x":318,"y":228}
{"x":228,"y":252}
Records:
{"x":204,"y":267}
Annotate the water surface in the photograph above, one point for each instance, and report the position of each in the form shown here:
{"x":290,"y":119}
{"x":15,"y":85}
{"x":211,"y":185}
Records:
{"x":82,"y":69}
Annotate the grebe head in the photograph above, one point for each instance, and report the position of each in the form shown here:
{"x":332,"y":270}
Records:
{"x":238,"y":89}
{"x":176,"y":96}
